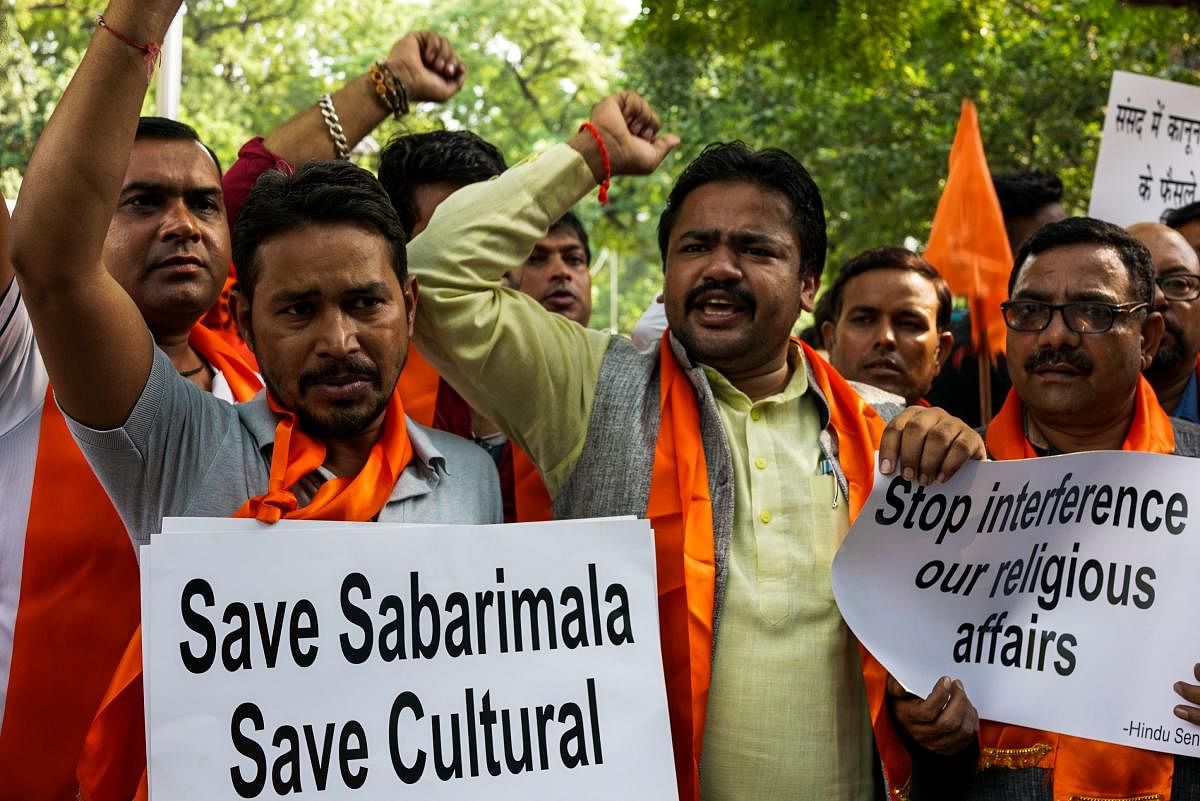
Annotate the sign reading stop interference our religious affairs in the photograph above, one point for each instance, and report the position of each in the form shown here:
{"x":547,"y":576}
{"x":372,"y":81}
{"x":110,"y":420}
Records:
{"x":1062,"y":591}
{"x":375,"y":661}
{"x":1150,"y":150}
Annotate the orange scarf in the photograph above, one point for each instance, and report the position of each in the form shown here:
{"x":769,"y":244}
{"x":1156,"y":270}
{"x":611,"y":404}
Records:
{"x":1081,"y":768}
{"x":1150,"y":431}
{"x":219,"y":318}
{"x":235,"y":362}
{"x":419,"y":385}
{"x":77,"y":607}
{"x":529,"y":491}
{"x":680,"y":512}
{"x":296,"y":454}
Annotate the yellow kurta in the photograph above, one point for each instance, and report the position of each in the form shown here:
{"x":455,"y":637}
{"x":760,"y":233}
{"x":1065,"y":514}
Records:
{"x":787,"y":714}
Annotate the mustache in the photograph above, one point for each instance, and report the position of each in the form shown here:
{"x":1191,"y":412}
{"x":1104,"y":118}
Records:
{"x":360,"y":367}
{"x":891,"y":361}
{"x":1068,"y":356}
{"x":730,"y":287}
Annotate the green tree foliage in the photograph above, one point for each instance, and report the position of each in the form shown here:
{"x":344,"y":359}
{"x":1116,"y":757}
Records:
{"x":865,"y":92}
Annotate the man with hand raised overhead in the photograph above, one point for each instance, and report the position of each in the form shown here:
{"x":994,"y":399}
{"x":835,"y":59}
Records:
{"x":328,"y":309}
{"x":748,"y":453}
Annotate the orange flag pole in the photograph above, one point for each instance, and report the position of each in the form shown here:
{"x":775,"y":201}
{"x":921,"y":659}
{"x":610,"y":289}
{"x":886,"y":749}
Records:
{"x":985,"y":380}
{"x":969,"y":246}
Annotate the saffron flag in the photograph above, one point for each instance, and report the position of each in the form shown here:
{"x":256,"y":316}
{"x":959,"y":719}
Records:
{"x":968,"y":243}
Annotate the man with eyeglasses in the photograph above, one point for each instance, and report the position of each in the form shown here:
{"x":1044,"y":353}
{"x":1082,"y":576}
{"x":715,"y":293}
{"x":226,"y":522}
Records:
{"x":1174,"y":369}
{"x":1081,"y":328}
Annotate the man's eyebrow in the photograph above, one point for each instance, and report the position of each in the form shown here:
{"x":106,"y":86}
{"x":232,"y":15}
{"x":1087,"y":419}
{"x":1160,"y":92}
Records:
{"x":286,"y":296}
{"x":155,"y":186}
{"x":1096,"y":295}
{"x":369,"y":288}
{"x":143,"y":186}
{"x":701,"y":234}
{"x":754,"y":238}
{"x":861,"y":307}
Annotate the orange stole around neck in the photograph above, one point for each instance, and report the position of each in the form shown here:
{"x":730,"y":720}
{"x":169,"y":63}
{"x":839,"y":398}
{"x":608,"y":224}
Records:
{"x":681,"y":514}
{"x":1081,"y":768}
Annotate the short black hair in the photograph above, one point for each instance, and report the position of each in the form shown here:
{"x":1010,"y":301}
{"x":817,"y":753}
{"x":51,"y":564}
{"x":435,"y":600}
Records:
{"x":571,"y":224}
{"x":165,"y":128}
{"x":889,"y":258}
{"x":1090,"y":231}
{"x":1021,"y":194}
{"x":413,"y":160}
{"x":772,"y":169}
{"x":1181,"y":215}
{"x":319,"y":192}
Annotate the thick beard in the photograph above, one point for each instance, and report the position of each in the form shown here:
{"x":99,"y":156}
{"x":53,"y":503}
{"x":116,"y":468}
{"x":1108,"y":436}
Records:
{"x":341,"y":424}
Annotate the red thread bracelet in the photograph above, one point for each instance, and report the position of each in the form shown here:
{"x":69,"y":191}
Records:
{"x":152,"y":52}
{"x":587,"y":126}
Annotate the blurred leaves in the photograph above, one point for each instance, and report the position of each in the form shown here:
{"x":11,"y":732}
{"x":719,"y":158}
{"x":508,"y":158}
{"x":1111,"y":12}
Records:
{"x":865,"y":92}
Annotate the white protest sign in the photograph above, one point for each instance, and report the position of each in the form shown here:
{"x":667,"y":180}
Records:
{"x":1150,"y":149}
{"x":374,"y":661}
{"x":1062,"y":591}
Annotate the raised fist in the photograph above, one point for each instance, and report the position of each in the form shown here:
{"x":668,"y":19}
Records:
{"x":630,"y":131}
{"x":428,"y":66}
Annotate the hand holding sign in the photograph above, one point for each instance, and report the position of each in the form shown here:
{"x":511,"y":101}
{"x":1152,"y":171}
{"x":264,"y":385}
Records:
{"x":1191,"y":694}
{"x":928,"y":444}
{"x":945,"y":722}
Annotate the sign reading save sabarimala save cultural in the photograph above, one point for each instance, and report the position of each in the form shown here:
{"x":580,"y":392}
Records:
{"x":1062,"y":591}
{"x":377,"y":661}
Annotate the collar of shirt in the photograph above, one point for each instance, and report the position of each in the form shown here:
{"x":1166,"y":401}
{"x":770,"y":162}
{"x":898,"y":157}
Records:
{"x":421,"y":477}
{"x":725,"y":392}
{"x":1189,"y":402}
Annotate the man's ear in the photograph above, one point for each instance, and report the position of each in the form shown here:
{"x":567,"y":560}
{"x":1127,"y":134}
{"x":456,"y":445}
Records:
{"x":239,"y":310}
{"x":810,"y":282}
{"x":827,"y":336}
{"x":1152,"y":333}
{"x":945,"y":345}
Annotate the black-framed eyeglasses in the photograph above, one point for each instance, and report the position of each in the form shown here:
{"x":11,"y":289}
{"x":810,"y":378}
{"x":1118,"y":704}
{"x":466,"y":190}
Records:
{"x":1082,"y":317}
{"x":1179,"y":287}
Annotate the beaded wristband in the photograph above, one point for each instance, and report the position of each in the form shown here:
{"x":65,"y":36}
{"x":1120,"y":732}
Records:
{"x":390,"y":89}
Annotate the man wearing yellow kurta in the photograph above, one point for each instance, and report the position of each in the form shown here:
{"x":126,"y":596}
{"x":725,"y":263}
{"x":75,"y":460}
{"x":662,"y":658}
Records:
{"x":748,"y":495}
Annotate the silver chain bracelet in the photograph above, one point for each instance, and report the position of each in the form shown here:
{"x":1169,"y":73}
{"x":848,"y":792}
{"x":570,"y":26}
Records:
{"x":340,"y":145}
